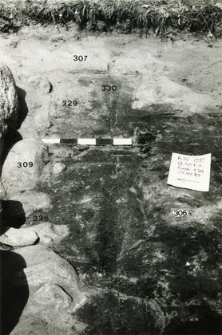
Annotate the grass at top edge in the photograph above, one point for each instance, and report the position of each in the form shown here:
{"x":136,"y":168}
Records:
{"x":122,"y":15}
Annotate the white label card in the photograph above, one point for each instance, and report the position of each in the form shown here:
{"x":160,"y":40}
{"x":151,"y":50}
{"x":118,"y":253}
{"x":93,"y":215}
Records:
{"x":191,"y":172}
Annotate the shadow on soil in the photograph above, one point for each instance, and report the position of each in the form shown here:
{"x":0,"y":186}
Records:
{"x":207,"y":325}
{"x":23,"y":109}
{"x":14,"y":291}
{"x":10,"y":139}
{"x":13,"y":214}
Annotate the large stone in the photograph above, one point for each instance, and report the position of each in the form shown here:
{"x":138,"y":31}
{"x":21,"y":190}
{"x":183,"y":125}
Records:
{"x":49,"y":233}
{"x":19,"y":237}
{"x":48,"y":287}
{"x":46,"y":233}
{"x":45,"y":266}
{"x":2,"y":191}
{"x":9,"y":102}
{"x":31,"y":202}
{"x":58,"y":168}
{"x":27,"y":325}
{"x":52,"y":296}
{"x":54,"y":293}
{"x":23,"y":166}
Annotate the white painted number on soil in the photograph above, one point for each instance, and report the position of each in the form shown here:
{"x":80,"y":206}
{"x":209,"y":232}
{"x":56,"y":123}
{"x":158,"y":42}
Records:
{"x":180,"y":213}
{"x":69,"y":103}
{"x":79,"y":58}
{"x":191,"y":172}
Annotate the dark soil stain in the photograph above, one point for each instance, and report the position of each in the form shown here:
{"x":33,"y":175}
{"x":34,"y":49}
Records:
{"x":122,"y":236}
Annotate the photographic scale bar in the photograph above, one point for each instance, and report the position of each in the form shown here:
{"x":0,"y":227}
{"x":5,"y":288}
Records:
{"x":90,"y":141}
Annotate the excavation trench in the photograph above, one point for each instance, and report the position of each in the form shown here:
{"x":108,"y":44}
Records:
{"x":144,"y":271}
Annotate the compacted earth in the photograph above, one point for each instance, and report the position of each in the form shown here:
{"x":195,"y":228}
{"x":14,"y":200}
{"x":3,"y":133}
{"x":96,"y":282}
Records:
{"x":89,"y":241}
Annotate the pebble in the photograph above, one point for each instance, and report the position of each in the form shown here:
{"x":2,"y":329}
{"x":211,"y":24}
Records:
{"x":45,"y":85}
{"x":58,"y":168}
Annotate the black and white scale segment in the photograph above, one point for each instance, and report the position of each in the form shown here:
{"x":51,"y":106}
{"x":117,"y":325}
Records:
{"x":90,"y":141}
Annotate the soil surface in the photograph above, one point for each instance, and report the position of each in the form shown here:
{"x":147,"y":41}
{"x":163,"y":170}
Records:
{"x":144,"y":270}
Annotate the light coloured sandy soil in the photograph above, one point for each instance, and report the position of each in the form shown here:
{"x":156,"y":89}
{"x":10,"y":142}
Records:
{"x":185,"y":74}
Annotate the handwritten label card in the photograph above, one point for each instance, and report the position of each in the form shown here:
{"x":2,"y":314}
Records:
{"x":191,"y":172}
